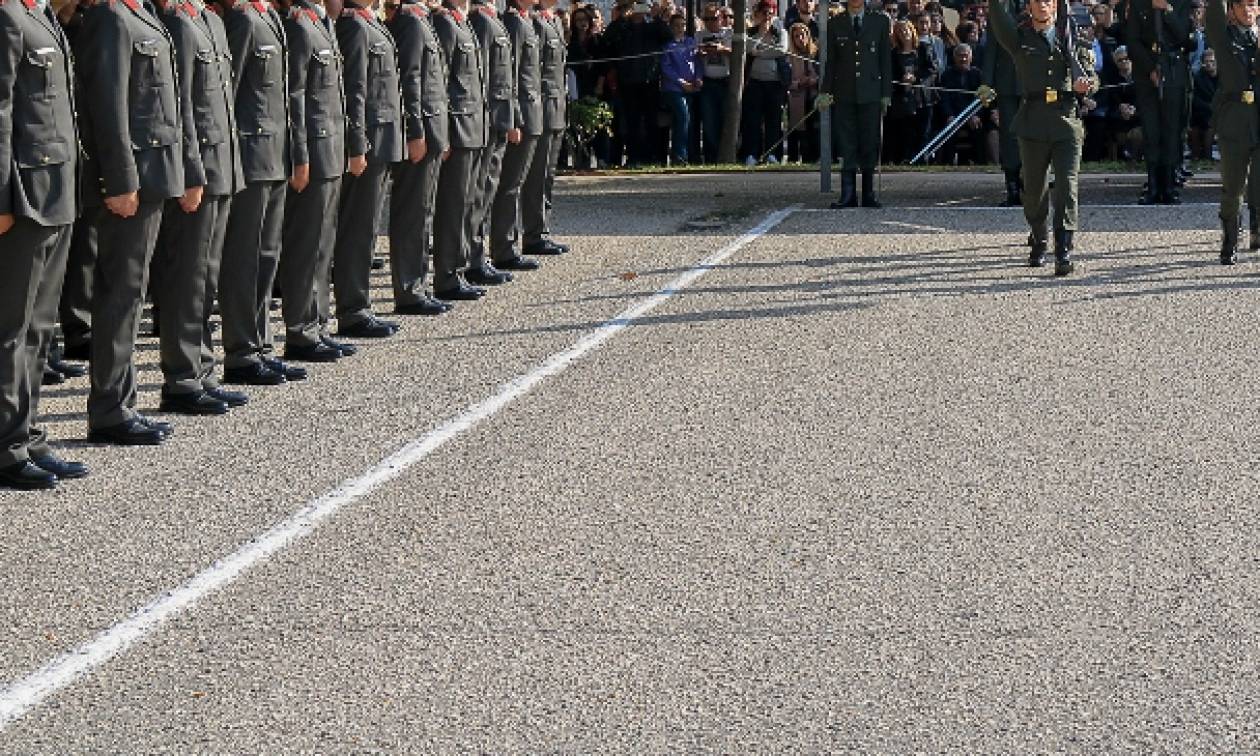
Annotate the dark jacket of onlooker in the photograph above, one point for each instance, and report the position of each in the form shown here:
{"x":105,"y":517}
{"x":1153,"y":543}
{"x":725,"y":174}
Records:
{"x":625,"y":38}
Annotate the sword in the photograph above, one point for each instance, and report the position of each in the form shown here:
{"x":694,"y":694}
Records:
{"x":950,"y":129}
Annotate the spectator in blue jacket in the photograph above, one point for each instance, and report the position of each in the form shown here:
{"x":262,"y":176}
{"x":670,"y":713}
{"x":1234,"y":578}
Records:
{"x":681,"y":79}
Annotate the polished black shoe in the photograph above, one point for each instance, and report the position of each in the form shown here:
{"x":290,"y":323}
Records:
{"x":64,"y":469}
{"x":343,"y":349}
{"x":1152,"y":191}
{"x":518,"y":263}
{"x":230,"y":398}
{"x":487,"y":275}
{"x":287,"y":371}
{"x":546,"y":247}
{"x":1229,"y":242}
{"x":66,"y":369}
{"x":1037,"y":253}
{"x":51,"y":377}
{"x":320,"y":352}
{"x":462,"y":293}
{"x":161,"y":426}
{"x":78,"y":352}
{"x":426,"y":306}
{"x":868,"y":191}
{"x":1063,"y":243}
{"x":253,"y":374}
{"x":848,"y":192}
{"x":132,"y":432}
{"x":1013,"y":198}
{"x":368,"y":328}
{"x":193,"y":403}
{"x":27,"y":476}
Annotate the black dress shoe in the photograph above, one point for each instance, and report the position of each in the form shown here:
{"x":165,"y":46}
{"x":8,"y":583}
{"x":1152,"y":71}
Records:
{"x":166,"y":429}
{"x":62,"y":468}
{"x":343,"y":349}
{"x":517,"y":263}
{"x":77,"y":352}
{"x":545,"y":247}
{"x":51,"y":377}
{"x":463,"y":293}
{"x":370,"y":328}
{"x":320,"y":352}
{"x":287,"y":371}
{"x":426,"y":306}
{"x":487,"y":275}
{"x":66,"y":369}
{"x":193,"y":403}
{"x":230,"y":398}
{"x":131,"y":432}
{"x":253,"y":374}
{"x":27,"y":476}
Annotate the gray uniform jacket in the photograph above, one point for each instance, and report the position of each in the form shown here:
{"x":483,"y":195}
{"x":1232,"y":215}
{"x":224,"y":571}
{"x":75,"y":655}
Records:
{"x":131,"y":121}
{"x":496,"y":61}
{"x":422,"y":70}
{"x":260,"y":70}
{"x":552,"y":57}
{"x":317,"y":104}
{"x":373,"y":97}
{"x":211,"y":154}
{"x":39,"y":137}
{"x":466,"y":85}
{"x":528,"y":71}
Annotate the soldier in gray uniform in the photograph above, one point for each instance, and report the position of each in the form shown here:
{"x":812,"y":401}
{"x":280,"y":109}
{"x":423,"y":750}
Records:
{"x":251,"y":251}
{"x":1001,"y":75}
{"x":318,"y":113}
{"x":39,"y":192}
{"x":75,"y":309}
{"x":375,"y":132}
{"x":502,"y":127}
{"x":195,"y":224}
{"x":505,"y":213}
{"x":536,"y":195}
{"x":1157,"y":35}
{"x":423,"y":73}
{"x":466,"y":89}
{"x":133,"y":134}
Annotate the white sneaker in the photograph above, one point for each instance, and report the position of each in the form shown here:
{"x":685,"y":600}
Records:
{"x":750,"y":161}
{"x":772,"y":160}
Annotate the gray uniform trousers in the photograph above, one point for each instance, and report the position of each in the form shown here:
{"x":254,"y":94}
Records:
{"x":124,"y":251}
{"x":450,"y":221}
{"x":536,"y":196}
{"x":251,"y":254}
{"x":30,"y":289}
{"x":356,"y":239}
{"x":76,"y":293}
{"x":486,"y":178}
{"x":505,"y":215}
{"x":310,"y":230}
{"x":411,"y":210}
{"x":190,"y":281}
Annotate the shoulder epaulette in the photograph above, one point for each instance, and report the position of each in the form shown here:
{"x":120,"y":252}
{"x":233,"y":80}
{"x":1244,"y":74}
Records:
{"x":487,"y":10}
{"x":415,"y":9}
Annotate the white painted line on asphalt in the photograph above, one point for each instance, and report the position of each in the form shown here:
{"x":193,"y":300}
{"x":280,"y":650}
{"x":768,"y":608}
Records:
{"x":20,"y":697}
{"x":998,"y":209}
{"x":916,"y":226}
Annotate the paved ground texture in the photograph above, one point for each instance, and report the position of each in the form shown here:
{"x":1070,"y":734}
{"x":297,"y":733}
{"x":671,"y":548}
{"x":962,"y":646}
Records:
{"x":867,"y":484}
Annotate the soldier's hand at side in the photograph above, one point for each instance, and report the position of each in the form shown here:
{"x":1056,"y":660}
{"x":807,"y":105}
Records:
{"x":191,"y":199}
{"x":446,"y":153}
{"x":6,"y":222}
{"x":417,"y":149}
{"x":1155,"y":77}
{"x":301,"y":177}
{"x":1081,"y":85}
{"x":1160,"y":5}
{"x":358,"y":164}
{"x":123,"y":205}
{"x":514,"y":136}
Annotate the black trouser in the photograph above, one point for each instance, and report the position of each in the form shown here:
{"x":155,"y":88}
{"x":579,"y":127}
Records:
{"x":75,"y":310}
{"x":639,"y":105}
{"x":310,"y":230}
{"x":356,"y":239}
{"x":505,"y":214}
{"x":411,"y":207}
{"x":251,"y":254}
{"x":858,"y":132}
{"x":450,"y":221}
{"x":486,"y":176}
{"x":761,"y":124}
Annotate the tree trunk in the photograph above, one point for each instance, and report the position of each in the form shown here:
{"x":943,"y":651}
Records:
{"x":735,"y":97}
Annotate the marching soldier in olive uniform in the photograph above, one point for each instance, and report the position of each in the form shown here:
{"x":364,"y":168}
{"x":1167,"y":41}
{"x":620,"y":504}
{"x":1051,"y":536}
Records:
{"x":1231,"y":33}
{"x":466,"y":87}
{"x":251,"y":251}
{"x":133,"y":135}
{"x":318,"y":112}
{"x":422,"y":70}
{"x":195,"y":224}
{"x":1052,"y":72}
{"x":1001,"y":76}
{"x":502,"y":127}
{"x":536,"y":195}
{"x":375,"y":131}
{"x":1157,"y":35}
{"x":39,"y":193}
{"x":505,"y":214}
{"x":858,"y":79}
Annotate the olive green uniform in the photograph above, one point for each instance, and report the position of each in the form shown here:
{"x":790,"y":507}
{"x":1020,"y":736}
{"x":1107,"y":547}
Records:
{"x":1001,"y":75}
{"x":1157,"y":42}
{"x":1234,"y":115}
{"x":859,"y":76}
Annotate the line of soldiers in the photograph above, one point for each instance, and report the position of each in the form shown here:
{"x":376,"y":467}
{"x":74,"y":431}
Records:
{"x":234,"y":147}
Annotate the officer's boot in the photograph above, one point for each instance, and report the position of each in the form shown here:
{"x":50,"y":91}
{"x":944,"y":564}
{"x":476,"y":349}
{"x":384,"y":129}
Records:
{"x":1063,"y":252}
{"x":1229,"y":241}
{"x":1255,"y":228}
{"x":1172,"y":195}
{"x":1012,"y":190}
{"x":868,"y":190}
{"x":1150,"y":194}
{"x":848,"y":190}
{"x":1037,"y":249}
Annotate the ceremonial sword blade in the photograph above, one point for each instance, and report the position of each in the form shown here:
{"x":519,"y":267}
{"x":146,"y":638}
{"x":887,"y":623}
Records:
{"x":950,"y":129}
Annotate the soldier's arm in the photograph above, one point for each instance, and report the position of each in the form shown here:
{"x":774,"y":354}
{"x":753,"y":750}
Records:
{"x":10,"y":59}
{"x":518,"y":120}
{"x":990,"y":62}
{"x":186,"y":67}
{"x":444,"y":28}
{"x":352,"y":37}
{"x":240,"y":34}
{"x":1139,"y":53}
{"x":1002,"y":26}
{"x":106,"y":77}
{"x":299,"y":61}
{"x":1216,"y":25}
{"x":829,"y":67}
{"x":483,"y":33}
{"x":410,"y":54}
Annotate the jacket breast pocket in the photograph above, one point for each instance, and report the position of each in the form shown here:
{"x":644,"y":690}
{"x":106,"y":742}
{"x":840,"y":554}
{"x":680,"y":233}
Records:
{"x":39,"y":73}
{"x":38,"y":154}
{"x":208,"y":71}
{"x":146,"y":64}
{"x":551,"y":90}
{"x":265,"y":66}
{"x":324,"y":68}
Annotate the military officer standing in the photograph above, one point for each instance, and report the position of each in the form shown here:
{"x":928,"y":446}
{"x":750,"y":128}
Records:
{"x":1052,"y":72}
{"x":1158,"y":32}
{"x":502,"y":127}
{"x":536,"y":196}
{"x":1231,"y":33}
{"x":1001,"y":75}
{"x":133,"y":134}
{"x":39,"y":193}
{"x":374,"y":135}
{"x":251,"y":251}
{"x":196,"y":223}
{"x":423,"y":74}
{"x":858,"y":80}
{"x":466,"y":89}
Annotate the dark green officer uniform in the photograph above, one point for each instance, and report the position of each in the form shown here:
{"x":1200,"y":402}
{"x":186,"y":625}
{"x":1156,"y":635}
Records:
{"x":1001,"y":75}
{"x":1234,"y":119}
{"x":859,"y":76}
{"x":1047,"y":124}
{"x":1157,"y":43}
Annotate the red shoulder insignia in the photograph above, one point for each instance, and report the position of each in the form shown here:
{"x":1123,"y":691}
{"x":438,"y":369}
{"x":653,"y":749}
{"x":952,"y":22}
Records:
{"x":487,"y":10}
{"x":30,"y":4}
{"x":364,"y":13}
{"x":132,"y":4}
{"x":260,"y":6}
{"x":188,"y":9}
{"x":415,"y":9}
